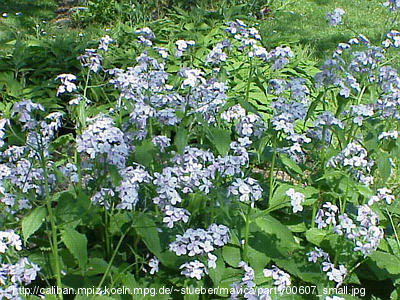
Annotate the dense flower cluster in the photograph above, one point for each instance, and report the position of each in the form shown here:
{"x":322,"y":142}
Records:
{"x":366,"y":235}
{"x":14,"y":275}
{"x":103,"y":141}
{"x":199,"y":241}
{"x":355,"y":158}
{"x":247,"y":189}
{"x":296,"y":199}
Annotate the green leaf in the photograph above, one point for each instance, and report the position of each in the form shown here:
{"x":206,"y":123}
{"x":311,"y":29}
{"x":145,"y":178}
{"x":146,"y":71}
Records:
{"x":32,"y":222}
{"x":144,"y":153}
{"x":181,"y":139}
{"x":290,"y":164}
{"x":76,"y":243}
{"x":284,"y":240}
{"x":221,"y":138}
{"x":384,"y":166}
{"x":279,"y":196}
{"x":386,"y":261}
{"x":315,"y":236}
{"x":231,"y":255}
{"x":147,"y":229}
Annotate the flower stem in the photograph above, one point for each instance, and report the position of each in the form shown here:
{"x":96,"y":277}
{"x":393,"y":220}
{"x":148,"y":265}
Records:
{"x":271,"y":170}
{"x":53,"y":239}
{"x":246,"y":234}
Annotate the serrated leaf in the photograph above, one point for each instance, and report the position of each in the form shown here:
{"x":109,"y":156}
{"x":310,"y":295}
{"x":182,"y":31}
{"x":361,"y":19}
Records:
{"x":32,"y":222}
{"x":76,"y":243}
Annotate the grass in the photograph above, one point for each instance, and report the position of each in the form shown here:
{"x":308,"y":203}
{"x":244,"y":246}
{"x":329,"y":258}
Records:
{"x":303,"y":23}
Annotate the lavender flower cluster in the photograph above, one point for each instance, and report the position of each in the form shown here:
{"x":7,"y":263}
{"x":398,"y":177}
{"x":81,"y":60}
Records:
{"x":14,"y":275}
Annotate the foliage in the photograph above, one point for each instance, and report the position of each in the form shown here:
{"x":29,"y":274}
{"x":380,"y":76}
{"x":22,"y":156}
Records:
{"x":198,"y":152}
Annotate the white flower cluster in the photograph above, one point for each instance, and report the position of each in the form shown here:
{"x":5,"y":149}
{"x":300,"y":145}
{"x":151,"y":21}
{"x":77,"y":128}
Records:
{"x":247,"y":189}
{"x":194,"y":269}
{"x":104,"y":42}
{"x":247,"y":281}
{"x":103,"y":141}
{"x":383,"y":194}
{"x":24,"y":108}
{"x":70,"y":172}
{"x":247,"y":125}
{"x":296,"y":199}
{"x":9,"y":238}
{"x":388,"y":134}
{"x":334,"y":298}
{"x":12,"y":275}
{"x":217,"y":55}
{"x":192,"y":77}
{"x":91,"y":59}
{"x":327,"y":215}
{"x":207,"y":99}
{"x":355,"y":158}
{"x":162,"y":142}
{"x":367,"y":235}
{"x":153,"y":264}
{"x":66,"y":83}
{"x":286,"y":114}
{"x":127,"y":190}
{"x":174,"y":214}
{"x":103,"y":197}
{"x":334,"y":274}
{"x":145,"y":35}
{"x":199,"y":241}
{"x":249,"y":38}
{"x":129,"y":185}
{"x":393,"y":5}
{"x":281,"y":278}
{"x":182,"y":46}
{"x":359,"y":112}
{"x":3,"y":123}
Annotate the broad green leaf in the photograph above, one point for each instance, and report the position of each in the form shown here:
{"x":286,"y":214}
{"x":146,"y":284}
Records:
{"x":144,"y":153}
{"x":280,"y":238}
{"x":221,"y":138}
{"x":96,"y":266}
{"x":147,"y":229}
{"x":231,"y":255}
{"x":181,"y":139}
{"x":279,"y":198}
{"x":76,"y":243}
{"x":384,"y":166}
{"x":290,"y":164}
{"x":386,"y":261}
{"x":33,"y":221}
{"x":315,"y":236}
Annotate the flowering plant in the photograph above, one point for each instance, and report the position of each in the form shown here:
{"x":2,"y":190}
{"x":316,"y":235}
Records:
{"x":228,"y":169}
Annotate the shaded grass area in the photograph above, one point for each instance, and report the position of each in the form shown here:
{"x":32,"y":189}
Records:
{"x":28,"y":11}
{"x":303,"y":23}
